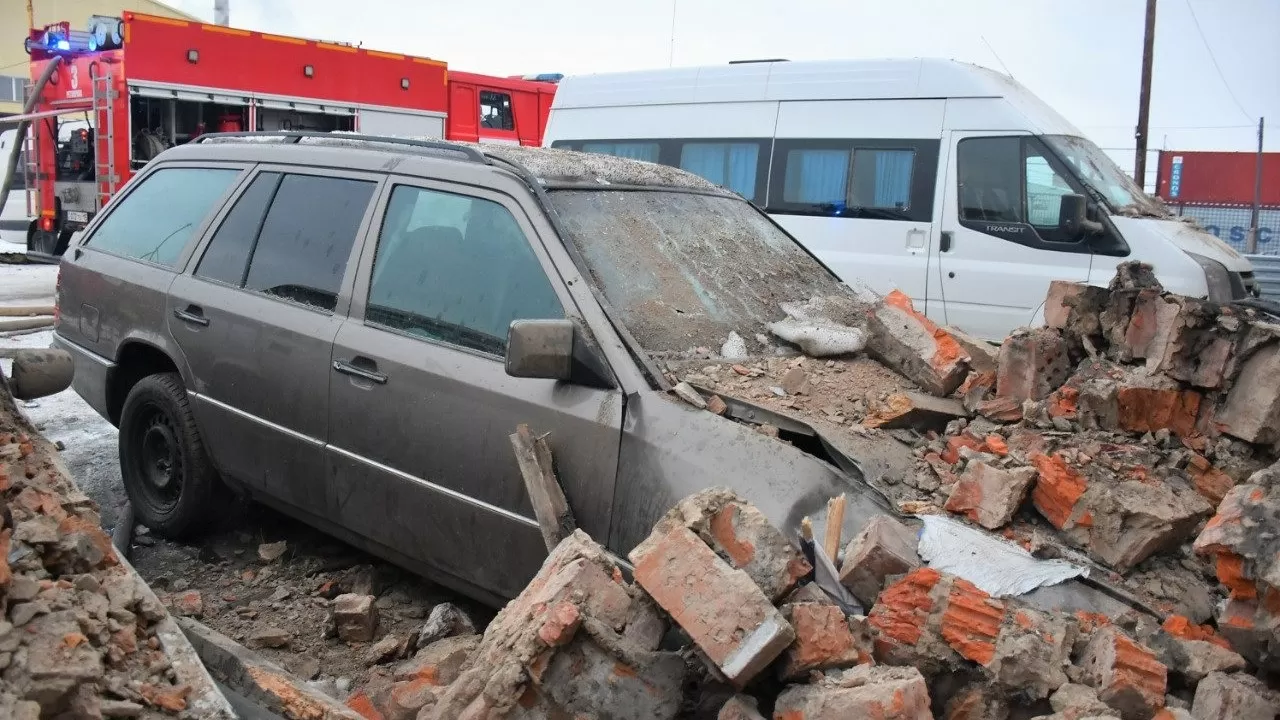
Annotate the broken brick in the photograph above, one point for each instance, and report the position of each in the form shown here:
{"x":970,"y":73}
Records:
{"x":883,"y":548}
{"x":355,"y":617}
{"x":825,"y":639}
{"x":587,"y":679}
{"x":1209,"y":481}
{"x":976,"y":389}
{"x":902,"y":611}
{"x":740,"y":707}
{"x":956,"y":443}
{"x":978,"y":701}
{"x":440,"y":662}
{"x":1127,"y":675}
{"x":1075,"y":307}
{"x":1145,"y":409}
{"x":725,"y":613}
{"x":1243,"y":554}
{"x":407,"y":699}
{"x":915,"y":410}
{"x":1000,"y":409}
{"x":988,"y":495}
{"x":1235,"y":697}
{"x":866,"y":691}
{"x":907,"y":341}
{"x":1252,"y":408}
{"x":971,"y":622}
{"x":188,"y":603}
{"x":1032,"y":364}
{"x":1032,"y":650}
{"x":1058,"y":491}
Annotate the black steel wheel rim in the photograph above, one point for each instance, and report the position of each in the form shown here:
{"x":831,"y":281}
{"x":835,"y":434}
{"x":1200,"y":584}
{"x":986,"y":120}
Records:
{"x":157,"y":457}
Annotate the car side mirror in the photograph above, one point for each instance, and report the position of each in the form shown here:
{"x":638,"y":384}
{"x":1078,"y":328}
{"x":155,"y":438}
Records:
{"x":554,"y":350}
{"x":1073,"y":217}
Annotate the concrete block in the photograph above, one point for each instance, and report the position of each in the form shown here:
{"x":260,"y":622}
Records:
{"x":1237,"y":697}
{"x":726,"y":614}
{"x":1252,"y":409}
{"x":356,"y":617}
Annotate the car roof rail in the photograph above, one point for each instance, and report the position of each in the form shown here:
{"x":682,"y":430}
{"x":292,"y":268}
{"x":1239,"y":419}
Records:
{"x":298,"y":135}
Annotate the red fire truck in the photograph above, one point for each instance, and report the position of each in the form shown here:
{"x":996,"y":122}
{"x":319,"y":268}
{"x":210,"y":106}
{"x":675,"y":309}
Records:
{"x":121,"y":92}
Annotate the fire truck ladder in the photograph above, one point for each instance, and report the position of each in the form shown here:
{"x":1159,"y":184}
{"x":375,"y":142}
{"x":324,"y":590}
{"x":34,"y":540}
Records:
{"x":104,"y":136}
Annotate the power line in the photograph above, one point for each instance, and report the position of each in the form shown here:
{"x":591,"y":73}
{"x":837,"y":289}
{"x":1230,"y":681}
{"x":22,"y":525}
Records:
{"x":1213,"y":58}
{"x":1174,"y":127}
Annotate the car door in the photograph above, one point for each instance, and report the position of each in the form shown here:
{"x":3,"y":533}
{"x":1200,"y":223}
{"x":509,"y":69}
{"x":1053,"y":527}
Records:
{"x":863,"y":207}
{"x":255,"y":318}
{"x":1002,"y":244}
{"x":421,"y":409}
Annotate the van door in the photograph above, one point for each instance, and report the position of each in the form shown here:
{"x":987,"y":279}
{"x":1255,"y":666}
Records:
{"x":1001,"y":244}
{"x":420,"y":460}
{"x":256,"y":320}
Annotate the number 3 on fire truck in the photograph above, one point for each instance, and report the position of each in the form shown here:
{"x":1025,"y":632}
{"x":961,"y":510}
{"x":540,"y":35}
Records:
{"x":75,"y":77}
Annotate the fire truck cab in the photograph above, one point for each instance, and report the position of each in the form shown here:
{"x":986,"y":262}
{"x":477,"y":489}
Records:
{"x":127,"y":88}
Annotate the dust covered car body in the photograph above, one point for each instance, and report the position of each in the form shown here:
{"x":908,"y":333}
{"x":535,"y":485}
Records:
{"x":350,"y":329}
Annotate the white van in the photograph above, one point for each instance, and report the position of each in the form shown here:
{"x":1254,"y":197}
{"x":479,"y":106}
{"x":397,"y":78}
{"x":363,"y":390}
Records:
{"x":948,"y":181}
{"x":14,"y":215}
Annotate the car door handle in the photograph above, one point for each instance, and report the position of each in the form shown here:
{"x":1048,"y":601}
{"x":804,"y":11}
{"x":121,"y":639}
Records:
{"x":347,"y":368}
{"x":944,"y":245}
{"x":193,"y":315}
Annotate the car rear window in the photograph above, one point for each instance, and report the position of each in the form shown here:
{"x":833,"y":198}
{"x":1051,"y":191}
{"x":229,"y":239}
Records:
{"x":155,"y":220}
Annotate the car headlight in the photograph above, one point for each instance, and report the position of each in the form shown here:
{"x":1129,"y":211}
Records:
{"x":1218,"y":278}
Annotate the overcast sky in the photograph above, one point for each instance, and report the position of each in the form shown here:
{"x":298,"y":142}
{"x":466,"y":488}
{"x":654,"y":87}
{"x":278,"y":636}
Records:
{"x":1083,"y":56}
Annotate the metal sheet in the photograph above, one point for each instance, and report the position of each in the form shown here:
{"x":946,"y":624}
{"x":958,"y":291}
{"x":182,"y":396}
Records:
{"x":1266,"y":269}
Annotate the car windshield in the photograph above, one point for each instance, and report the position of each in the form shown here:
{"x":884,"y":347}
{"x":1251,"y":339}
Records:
{"x":685,"y":269}
{"x":1097,"y":170}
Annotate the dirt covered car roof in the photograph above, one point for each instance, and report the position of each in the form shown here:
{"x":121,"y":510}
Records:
{"x":554,"y":165}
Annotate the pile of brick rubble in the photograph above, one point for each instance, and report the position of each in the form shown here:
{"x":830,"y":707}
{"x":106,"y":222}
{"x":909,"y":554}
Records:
{"x":1135,"y":434}
{"x":81,"y":636}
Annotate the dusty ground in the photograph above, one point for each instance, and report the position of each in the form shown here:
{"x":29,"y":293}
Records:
{"x":240,"y":594}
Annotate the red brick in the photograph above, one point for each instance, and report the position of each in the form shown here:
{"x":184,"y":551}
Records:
{"x":915,"y":410}
{"x":879,"y":692}
{"x":755,"y":546}
{"x":988,"y":495}
{"x":365,"y":706}
{"x":1058,"y":490}
{"x":1032,"y":364}
{"x":971,"y":622}
{"x":912,"y":344}
{"x":1209,"y":481}
{"x":439,"y":662}
{"x":978,"y":702}
{"x":903,"y":609}
{"x":1068,"y":304}
{"x":1000,"y":409}
{"x":408,"y":698}
{"x":1230,"y":569}
{"x":1064,"y":403}
{"x":825,"y":639}
{"x":1127,"y":675}
{"x":883,"y":548}
{"x":356,"y":617}
{"x":957,"y":442}
{"x":1226,"y":530}
{"x":560,"y":624}
{"x":724,"y":612}
{"x":188,"y":603}
{"x":1181,"y":626}
{"x":1144,"y":409}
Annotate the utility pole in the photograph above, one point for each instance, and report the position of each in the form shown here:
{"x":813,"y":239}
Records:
{"x":1144,"y":98}
{"x":1252,"y":246}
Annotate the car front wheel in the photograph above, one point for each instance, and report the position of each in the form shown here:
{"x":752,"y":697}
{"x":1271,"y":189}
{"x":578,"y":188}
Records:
{"x":172,"y":485}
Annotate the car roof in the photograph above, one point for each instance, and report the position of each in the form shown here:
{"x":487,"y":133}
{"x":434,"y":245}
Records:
{"x":549,"y":166}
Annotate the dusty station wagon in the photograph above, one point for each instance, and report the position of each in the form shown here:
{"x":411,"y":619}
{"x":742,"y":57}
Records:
{"x":349,"y":329}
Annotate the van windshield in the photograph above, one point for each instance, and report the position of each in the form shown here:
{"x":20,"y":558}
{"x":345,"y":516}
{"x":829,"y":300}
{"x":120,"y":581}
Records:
{"x":685,"y":269}
{"x":1097,"y":170}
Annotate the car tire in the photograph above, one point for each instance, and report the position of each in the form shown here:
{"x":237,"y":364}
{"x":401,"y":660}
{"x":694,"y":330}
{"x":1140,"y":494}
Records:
{"x":170,"y":481}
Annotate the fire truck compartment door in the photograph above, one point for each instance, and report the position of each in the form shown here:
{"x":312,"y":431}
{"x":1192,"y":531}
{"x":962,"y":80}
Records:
{"x":191,"y":95}
{"x":381,"y":122}
{"x":306,"y":107}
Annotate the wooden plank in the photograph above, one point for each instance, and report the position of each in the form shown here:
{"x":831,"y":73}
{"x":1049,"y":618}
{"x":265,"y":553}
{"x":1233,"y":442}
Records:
{"x":835,"y":520}
{"x":555,"y":519}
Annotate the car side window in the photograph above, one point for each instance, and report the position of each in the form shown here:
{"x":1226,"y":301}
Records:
{"x":990,"y":173}
{"x":816,"y":177}
{"x":456,"y":269}
{"x":495,"y":111}
{"x":882,"y":179}
{"x":306,"y":238}
{"x":227,"y":256}
{"x":155,"y":220}
{"x":1045,"y":188}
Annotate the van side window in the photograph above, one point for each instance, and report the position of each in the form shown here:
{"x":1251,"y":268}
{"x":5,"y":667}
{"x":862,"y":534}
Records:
{"x":455,"y":269}
{"x":816,"y":177}
{"x":882,"y":179}
{"x":306,"y":239}
{"x":1045,"y":189}
{"x":495,"y":111}
{"x":990,"y":179}
{"x":647,"y":151}
{"x":157,"y":218}
{"x":227,"y":257}
{"x":729,"y":165}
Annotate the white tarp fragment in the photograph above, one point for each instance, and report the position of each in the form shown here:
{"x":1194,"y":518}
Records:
{"x":994,"y":564}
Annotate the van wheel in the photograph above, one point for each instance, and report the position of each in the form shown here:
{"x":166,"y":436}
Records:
{"x":172,"y":485}
{"x":64,"y":242}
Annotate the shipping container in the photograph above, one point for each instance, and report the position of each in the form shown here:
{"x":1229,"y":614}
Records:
{"x":1216,"y":178}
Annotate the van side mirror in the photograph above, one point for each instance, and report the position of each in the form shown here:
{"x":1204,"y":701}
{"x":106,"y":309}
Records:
{"x":1073,"y":217}
{"x":554,"y":350}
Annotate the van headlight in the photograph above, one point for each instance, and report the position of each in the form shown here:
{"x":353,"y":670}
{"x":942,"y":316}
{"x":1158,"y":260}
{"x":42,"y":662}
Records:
{"x":1218,"y":278}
